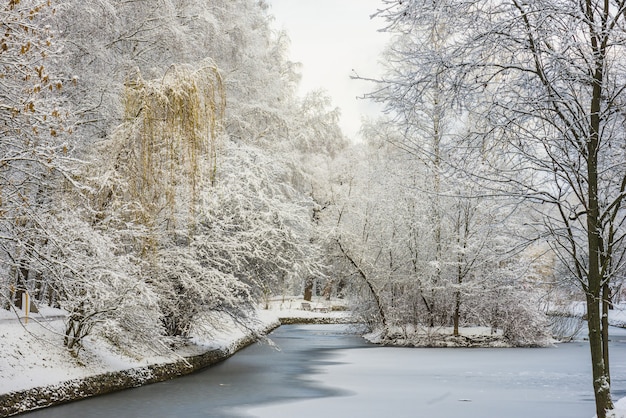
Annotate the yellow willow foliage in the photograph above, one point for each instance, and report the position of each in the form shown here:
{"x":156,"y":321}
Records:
{"x":171,"y":125}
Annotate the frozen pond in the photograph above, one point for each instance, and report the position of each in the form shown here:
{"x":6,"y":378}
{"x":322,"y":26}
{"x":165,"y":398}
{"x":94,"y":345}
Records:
{"x":512,"y":383}
{"x":326,"y":371}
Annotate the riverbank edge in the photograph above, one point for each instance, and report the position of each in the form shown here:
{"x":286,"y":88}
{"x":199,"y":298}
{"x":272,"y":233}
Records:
{"x":18,"y":402}
{"x":14,"y":403}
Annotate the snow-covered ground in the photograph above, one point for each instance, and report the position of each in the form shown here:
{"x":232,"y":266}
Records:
{"x":617,"y":315}
{"x":620,"y":409}
{"x":32,"y":354}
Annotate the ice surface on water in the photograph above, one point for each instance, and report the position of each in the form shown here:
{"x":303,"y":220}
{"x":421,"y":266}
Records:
{"x":401,"y":382}
{"x":326,"y":372}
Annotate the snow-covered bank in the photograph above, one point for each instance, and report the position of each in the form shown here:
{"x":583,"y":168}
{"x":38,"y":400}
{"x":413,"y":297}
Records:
{"x":440,"y":337}
{"x":295,"y":310}
{"x":617,"y":315}
{"x":620,"y":409}
{"x":36,"y":370}
{"x":29,"y":361}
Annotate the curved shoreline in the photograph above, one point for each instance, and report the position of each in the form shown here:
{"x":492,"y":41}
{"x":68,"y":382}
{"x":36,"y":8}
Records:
{"x":14,"y":403}
{"x":22,"y":401}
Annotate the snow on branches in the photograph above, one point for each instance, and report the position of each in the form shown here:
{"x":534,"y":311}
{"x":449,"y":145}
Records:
{"x":170,"y":132}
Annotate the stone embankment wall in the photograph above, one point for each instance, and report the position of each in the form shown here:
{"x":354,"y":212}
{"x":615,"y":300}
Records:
{"x":14,"y":403}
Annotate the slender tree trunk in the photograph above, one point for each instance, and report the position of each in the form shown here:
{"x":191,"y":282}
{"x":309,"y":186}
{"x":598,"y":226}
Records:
{"x":462,"y":231}
{"x":437,"y":221}
{"x":21,"y":282}
{"x":308,"y":289}
{"x":601,"y":380}
{"x":379,"y":306}
{"x":457,"y":302}
{"x":605,"y":330}
{"x":599,"y":351}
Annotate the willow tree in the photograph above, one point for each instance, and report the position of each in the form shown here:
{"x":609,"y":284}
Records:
{"x":171,"y":127}
{"x":546,"y":81}
{"x":156,"y":167}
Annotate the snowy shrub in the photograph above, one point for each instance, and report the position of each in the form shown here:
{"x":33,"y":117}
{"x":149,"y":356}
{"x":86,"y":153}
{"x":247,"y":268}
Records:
{"x":517,"y":313}
{"x":188,"y":285}
{"x":99,"y":288}
{"x":564,"y":327}
{"x":116,"y":306}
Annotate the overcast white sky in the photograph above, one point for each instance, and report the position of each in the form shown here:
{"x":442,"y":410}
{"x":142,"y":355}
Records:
{"x":331,"y":38}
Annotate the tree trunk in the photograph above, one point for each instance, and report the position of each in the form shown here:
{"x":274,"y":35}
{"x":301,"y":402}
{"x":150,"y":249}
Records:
{"x":308,"y":289}
{"x":20,"y":287}
{"x":379,"y":306}
{"x":457,"y":304}
{"x":605,"y":330}
{"x":599,"y":351}
{"x":601,"y":380}
{"x":328,"y":290}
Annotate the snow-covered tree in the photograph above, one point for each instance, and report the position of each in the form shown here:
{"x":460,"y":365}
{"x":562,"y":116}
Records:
{"x":36,"y":144}
{"x":198,"y":180}
{"x":545,"y":81}
{"x":417,"y":274}
{"x":205,"y":199}
{"x":434,"y":239}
